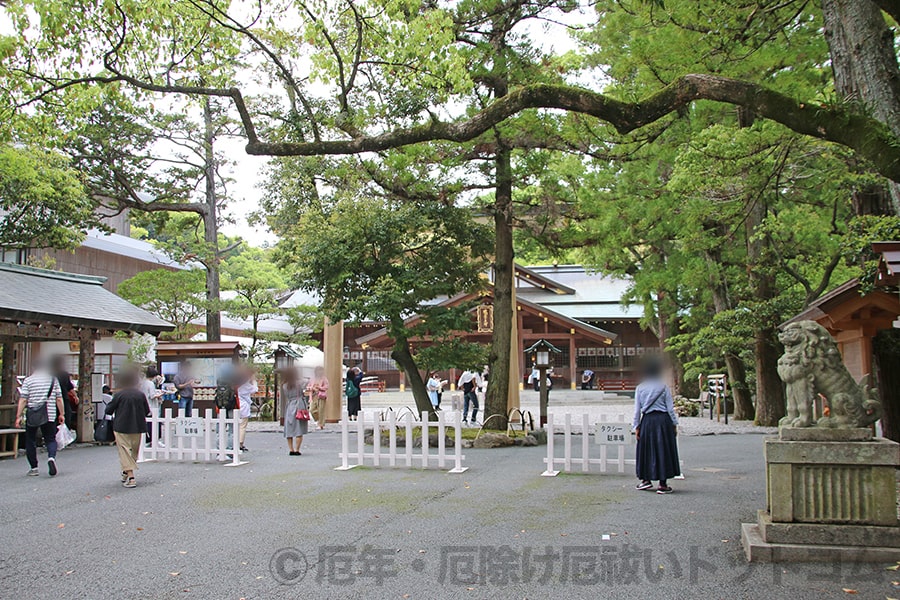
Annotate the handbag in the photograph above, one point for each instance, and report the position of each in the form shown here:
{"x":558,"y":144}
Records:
{"x":302,"y":414}
{"x":37,"y":416}
{"x":101,"y":431}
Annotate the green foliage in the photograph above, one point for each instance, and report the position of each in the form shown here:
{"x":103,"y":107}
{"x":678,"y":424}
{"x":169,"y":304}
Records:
{"x":175,"y":296}
{"x":452,"y":353}
{"x":42,"y":200}
{"x":858,"y":245}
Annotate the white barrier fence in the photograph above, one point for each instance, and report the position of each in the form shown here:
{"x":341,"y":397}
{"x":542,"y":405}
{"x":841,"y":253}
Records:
{"x":194,"y":438}
{"x":406,"y":455}
{"x":608,"y":433}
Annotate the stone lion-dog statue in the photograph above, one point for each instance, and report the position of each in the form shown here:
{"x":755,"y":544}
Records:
{"x":812,"y":365}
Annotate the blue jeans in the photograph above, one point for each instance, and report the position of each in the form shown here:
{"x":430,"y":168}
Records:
{"x":473,"y":398}
{"x":48,"y":432}
{"x":185,"y":406}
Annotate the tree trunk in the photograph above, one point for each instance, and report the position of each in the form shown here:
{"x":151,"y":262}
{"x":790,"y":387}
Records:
{"x":770,"y":402}
{"x":504,"y":257}
{"x":404,"y":358}
{"x":497,"y":396}
{"x":864,"y":63}
{"x":886,"y":352}
{"x":737,"y":372}
{"x":665,"y":326}
{"x":211,"y":230}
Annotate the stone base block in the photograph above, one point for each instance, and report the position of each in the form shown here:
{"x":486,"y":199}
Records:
{"x":758,"y":550}
{"x":823,"y":434}
{"x":828,"y":535}
{"x":848,"y":483}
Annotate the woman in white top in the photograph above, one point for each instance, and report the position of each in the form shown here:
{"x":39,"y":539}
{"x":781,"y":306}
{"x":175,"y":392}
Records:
{"x":433,"y":386}
{"x":245,"y":393}
{"x":149,"y":388}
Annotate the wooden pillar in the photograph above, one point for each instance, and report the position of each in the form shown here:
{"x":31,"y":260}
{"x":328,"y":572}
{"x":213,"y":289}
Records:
{"x":520,"y":324}
{"x":333,"y":346}
{"x":9,"y":373}
{"x":572,"y":363}
{"x":515,"y":377}
{"x":85,"y":422}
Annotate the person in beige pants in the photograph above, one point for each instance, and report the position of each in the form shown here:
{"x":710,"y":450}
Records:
{"x":245,"y":393}
{"x":130,"y":409}
{"x":317,"y":391}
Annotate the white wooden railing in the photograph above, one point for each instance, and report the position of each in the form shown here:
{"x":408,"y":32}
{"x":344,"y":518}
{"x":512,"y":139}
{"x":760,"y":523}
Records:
{"x":194,"y":438}
{"x":609,"y":433}
{"x":405,"y":456}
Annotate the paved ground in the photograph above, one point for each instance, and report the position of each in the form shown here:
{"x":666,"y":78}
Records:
{"x":291,"y":527}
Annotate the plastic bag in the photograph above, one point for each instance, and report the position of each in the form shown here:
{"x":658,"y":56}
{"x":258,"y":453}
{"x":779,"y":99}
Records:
{"x":64,"y":436}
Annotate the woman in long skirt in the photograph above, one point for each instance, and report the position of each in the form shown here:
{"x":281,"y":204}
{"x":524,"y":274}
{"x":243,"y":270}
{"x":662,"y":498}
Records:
{"x":292,"y":400}
{"x":655,"y":425}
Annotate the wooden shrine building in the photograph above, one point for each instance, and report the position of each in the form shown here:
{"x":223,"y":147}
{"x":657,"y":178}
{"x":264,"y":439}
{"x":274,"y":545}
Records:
{"x":37,"y":305}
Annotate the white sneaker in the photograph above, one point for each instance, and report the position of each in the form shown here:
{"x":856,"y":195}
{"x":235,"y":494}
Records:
{"x":33,"y":472}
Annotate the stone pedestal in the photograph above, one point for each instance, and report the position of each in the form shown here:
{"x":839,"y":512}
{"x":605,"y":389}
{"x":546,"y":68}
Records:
{"x":831,"y":495}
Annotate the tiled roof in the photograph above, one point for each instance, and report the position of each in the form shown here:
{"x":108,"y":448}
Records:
{"x":39,"y":295}
{"x":596,"y":297}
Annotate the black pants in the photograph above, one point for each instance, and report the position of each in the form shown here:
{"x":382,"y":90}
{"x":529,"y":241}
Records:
{"x":48,"y":432}
{"x":473,"y":398}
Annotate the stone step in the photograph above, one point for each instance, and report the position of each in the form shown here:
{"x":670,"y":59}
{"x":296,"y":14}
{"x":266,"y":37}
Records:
{"x":757,"y":549}
{"x":827,"y":534}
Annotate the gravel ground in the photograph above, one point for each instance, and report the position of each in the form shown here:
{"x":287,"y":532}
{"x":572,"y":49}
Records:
{"x":612,"y":409}
{"x":292,"y":527}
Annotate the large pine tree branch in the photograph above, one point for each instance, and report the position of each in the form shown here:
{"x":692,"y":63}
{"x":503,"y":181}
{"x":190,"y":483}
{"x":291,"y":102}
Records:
{"x":869,"y":137}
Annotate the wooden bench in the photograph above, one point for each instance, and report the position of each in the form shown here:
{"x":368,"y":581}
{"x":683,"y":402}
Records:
{"x":9,"y":442}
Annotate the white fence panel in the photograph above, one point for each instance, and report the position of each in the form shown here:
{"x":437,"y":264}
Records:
{"x":406,"y":456}
{"x":203,"y":438}
{"x":584,"y":463}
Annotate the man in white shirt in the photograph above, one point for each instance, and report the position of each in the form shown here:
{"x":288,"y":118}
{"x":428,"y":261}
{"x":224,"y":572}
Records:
{"x":469,"y":382}
{"x":40,"y":392}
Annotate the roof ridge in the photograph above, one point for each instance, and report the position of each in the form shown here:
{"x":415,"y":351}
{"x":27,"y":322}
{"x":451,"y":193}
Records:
{"x":50,"y":274}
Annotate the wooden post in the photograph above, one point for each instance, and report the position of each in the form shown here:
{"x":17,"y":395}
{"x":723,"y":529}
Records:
{"x":85,"y":422}
{"x":514,"y":376}
{"x":545,"y":395}
{"x":9,"y":373}
{"x":333,"y":342}
{"x":572,"y":363}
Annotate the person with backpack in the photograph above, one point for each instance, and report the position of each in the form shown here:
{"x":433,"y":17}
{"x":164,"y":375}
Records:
{"x":353,"y":390}
{"x":40,"y":409}
{"x":130,"y":410}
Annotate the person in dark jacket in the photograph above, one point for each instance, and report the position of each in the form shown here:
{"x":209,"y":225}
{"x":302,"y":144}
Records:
{"x":354,"y":405}
{"x":130,"y":409}
{"x":70,"y":397}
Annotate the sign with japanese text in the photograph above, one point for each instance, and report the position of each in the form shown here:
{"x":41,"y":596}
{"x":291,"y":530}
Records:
{"x":612,"y":433}
{"x":189,"y":426}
